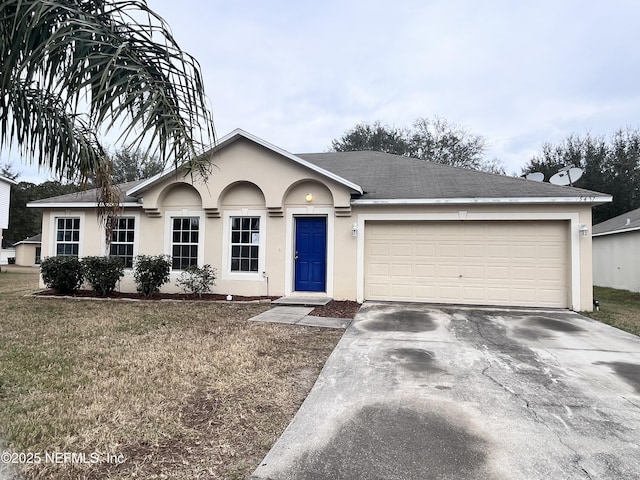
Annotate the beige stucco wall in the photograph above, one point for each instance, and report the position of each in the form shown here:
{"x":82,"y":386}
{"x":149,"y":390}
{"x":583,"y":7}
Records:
{"x":26,"y":254}
{"x":616,"y":261}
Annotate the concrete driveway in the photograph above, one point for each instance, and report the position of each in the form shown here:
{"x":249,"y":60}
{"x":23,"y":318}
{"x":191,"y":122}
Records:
{"x":418,"y":392}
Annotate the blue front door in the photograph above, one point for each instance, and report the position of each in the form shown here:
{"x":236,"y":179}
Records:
{"x":311,"y":254}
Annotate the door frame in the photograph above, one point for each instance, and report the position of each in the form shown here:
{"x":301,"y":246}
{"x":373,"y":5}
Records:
{"x":290,"y":235}
{"x":318,"y":224}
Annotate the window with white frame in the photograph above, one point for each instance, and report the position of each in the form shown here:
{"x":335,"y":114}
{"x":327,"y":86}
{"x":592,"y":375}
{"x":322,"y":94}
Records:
{"x":122,"y":240}
{"x":185,"y":238}
{"x":67,"y":236}
{"x":245,"y":244}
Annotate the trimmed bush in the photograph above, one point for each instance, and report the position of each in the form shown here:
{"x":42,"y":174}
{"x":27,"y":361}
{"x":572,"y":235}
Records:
{"x":62,"y":274}
{"x":103,"y":273}
{"x":197,"y":280}
{"x":151,"y":272}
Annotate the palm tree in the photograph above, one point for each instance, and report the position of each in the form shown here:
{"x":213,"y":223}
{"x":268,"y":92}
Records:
{"x":71,"y":70}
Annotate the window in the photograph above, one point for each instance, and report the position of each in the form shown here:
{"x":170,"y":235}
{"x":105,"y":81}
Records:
{"x":38,"y":255}
{"x":122,"y":240}
{"x":67,"y":237}
{"x":245,"y":241}
{"x":184,"y":247}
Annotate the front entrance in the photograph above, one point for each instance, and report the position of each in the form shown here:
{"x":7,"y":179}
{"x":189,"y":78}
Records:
{"x":311,"y":254}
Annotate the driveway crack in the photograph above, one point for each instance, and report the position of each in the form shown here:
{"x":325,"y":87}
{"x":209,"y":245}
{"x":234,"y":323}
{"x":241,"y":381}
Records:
{"x":577,"y":458}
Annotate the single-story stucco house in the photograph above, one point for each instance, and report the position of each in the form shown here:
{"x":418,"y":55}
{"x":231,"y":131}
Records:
{"x":28,"y":251}
{"x":352,"y":225}
{"x":616,"y":252}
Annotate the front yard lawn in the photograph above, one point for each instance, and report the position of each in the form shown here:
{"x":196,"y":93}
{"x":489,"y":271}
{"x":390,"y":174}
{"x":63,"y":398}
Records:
{"x":619,"y":308}
{"x":179,"y":390}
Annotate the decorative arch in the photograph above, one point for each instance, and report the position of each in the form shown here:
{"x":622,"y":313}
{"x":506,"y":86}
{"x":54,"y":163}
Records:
{"x":180,"y":195}
{"x":242,"y":193}
{"x":296,"y":194}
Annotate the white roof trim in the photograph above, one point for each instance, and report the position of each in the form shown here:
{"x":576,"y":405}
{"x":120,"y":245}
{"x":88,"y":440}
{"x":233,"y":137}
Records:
{"x":489,"y":200}
{"x":67,"y":205}
{"x":612,"y":232}
{"x":8,"y":180}
{"x":238,"y":132}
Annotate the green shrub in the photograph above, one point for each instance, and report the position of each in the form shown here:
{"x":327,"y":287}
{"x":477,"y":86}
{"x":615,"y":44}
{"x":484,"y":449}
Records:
{"x":62,"y":274}
{"x":103,"y":273}
{"x":151,"y":272}
{"x":197,"y":280}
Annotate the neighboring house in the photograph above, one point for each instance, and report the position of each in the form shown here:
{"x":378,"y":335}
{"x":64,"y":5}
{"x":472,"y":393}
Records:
{"x":5,"y":200}
{"x":616,"y":252}
{"x":28,"y":251}
{"x":353,"y":225}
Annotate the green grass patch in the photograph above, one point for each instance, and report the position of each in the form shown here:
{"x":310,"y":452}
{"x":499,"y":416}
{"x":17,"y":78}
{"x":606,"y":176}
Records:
{"x":618,"y":308}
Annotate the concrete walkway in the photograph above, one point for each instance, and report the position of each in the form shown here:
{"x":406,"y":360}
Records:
{"x":413,"y":392}
{"x":294,"y":315}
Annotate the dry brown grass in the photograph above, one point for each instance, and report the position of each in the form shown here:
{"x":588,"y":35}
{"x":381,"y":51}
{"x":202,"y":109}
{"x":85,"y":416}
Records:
{"x":180,"y":390}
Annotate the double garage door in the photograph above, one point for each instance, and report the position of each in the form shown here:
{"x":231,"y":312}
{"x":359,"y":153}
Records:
{"x":516,"y":263}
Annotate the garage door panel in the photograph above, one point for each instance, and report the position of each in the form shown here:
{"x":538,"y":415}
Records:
{"x":426,"y":271}
{"x":448,"y":272}
{"x":426,"y":250}
{"x":523,"y":296}
{"x":448,"y":251}
{"x":402,"y":271}
{"x":449,"y":293}
{"x":474,"y":294}
{"x":495,"y":263}
{"x":473,"y":272}
{"x":473,"y":251}
{"x":497,"y":252}
{"x":496,"y":273}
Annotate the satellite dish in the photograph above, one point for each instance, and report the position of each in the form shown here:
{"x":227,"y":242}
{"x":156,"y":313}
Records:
{"x":575,"y":173}
{"x":566,"y":176}
{"x":535,"y":176}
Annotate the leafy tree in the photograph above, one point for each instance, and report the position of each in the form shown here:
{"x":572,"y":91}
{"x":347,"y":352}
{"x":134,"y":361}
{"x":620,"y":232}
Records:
{"x":73,"y":68}
{"x":440,"y":141}
{"x":26,"y":222}
{"x":433,"y":139}
{"x":376,"y":137}
{"x":7,"y":171}
{"x":129,"y":165}
{"x":610,"y":166}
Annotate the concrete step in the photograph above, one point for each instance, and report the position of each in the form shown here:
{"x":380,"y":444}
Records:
{"x":302,"y":301}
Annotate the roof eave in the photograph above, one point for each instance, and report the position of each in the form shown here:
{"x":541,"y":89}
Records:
{"x":77,"y":205}
{"x":613,"y":232}
{"x":483,"y":200}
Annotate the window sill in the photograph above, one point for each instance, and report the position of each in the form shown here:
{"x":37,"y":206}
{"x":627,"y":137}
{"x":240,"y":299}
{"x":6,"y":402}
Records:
{"x":253,"y":277}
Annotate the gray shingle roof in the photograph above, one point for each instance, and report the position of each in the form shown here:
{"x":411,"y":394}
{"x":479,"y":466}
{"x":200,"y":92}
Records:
{"x":35,"y":239}
{"x":626,"y":221}
{"x":387,"y":176}
{"x":384,"y":176}
{"x":89,"y":195}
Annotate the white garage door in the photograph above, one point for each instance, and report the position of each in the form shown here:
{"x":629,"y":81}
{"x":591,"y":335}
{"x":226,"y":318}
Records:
{"x":483,"y":263}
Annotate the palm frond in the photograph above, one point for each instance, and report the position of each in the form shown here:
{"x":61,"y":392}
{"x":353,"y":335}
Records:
{"x":97,"y":65}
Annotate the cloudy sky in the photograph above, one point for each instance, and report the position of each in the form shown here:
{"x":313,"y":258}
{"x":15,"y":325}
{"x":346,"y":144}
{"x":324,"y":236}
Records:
{"x":299,"y":74}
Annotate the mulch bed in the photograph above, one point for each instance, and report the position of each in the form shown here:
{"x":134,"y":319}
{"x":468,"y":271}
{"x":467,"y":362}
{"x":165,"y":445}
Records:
{"x":335,"y":308}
